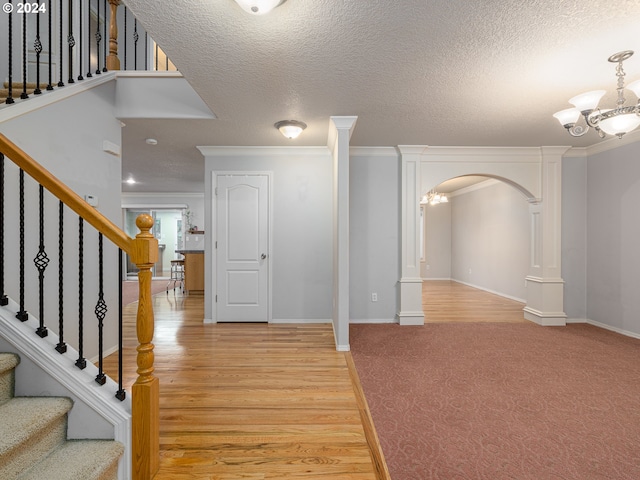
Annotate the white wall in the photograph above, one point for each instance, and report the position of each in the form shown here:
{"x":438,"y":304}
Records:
{"x":67,"y":138}
{"x":374,"y":235}
{"x":490,"y":238}
{"x":301,"y":256}
{"x":437,"y":262}
{"x":574,"y":237}
{"x":613,"y":230}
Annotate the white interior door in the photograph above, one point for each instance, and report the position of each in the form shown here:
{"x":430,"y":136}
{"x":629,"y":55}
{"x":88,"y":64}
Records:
{"x":242,"y":254}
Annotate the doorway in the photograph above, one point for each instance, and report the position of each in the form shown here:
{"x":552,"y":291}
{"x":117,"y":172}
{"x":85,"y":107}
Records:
{"x":167,"y":229}
{"x":242,"y":247}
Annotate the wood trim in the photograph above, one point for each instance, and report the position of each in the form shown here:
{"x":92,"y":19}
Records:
{"x":64,"y":193}
{"x":377,"y":457}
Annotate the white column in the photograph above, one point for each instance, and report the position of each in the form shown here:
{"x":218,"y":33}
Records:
{"x":340,"y":130}
{"x":410,"y":286}
{"x":545,"y":287}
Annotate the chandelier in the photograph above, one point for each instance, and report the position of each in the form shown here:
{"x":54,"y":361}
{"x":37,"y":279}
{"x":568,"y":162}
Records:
{"x":434,"y":198}
{"x":613,"y":121}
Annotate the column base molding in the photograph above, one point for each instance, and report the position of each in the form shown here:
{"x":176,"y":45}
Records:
{"x":545,"y":319}
{"x":410,"y":302}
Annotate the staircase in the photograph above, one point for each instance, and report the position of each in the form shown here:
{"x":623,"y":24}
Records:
{"x":33,"y":438}
{"x":17,"y":90}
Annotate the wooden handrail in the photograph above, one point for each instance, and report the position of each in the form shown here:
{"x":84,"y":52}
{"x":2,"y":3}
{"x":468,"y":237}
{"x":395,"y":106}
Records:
{"x":143,"y":251}
{"x":64,"y":193}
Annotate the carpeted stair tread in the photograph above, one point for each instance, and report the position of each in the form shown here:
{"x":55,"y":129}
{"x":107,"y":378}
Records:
{"x":79,"y":460}
{"x":8,"y":362}
{"x":31,"y":428}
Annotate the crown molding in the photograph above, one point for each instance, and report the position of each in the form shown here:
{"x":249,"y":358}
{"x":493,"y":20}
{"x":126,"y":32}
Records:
{"x":239,"y":151}
{"x":605,"y":145}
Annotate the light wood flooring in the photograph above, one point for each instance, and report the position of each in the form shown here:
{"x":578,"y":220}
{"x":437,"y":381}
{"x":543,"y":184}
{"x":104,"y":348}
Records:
{"x":447,"y":301}
{"x":252,"y":401}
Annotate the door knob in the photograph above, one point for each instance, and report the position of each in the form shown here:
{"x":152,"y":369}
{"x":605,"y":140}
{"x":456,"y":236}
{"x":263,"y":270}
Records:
{"x":263,"y":256}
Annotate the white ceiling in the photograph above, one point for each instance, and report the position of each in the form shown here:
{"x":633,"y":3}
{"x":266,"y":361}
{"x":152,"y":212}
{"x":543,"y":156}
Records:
{"x":414,"y":72}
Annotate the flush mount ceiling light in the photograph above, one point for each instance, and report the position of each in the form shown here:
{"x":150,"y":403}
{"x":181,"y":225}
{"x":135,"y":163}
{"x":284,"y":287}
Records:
{"x":614,"y":121}
{"x":151,"y":141}
{"x":258,"y":7}
{"x":290,"y":128}
{"x":434,"y":198}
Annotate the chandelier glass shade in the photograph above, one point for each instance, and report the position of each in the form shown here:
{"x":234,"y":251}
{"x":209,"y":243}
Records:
{"x":434,"y":198}
{"x":612,"y":121}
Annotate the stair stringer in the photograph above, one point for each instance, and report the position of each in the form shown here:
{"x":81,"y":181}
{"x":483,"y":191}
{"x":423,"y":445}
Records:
{"x":54,"y":374}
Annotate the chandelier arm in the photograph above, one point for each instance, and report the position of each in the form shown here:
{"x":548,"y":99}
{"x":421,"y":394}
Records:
{"x":577,"y":130}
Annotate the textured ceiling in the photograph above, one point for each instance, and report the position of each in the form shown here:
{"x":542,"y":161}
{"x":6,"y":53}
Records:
{"x":414,"y":72}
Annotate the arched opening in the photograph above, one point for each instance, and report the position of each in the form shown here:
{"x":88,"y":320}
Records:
{"x":474,"y":246}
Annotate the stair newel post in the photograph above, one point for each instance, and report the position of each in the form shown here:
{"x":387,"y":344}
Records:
{"x":41,"y":261}
{"x":145,"y":391}
{"x":113,"y":62}
{"x":10,"y":99}
{"x":3,"y":298}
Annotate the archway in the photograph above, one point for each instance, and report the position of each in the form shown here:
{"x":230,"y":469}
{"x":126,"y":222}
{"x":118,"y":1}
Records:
{"x":536,"y":172}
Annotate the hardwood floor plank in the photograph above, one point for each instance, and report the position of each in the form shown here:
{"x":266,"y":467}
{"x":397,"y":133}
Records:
{"x":249,"y":401}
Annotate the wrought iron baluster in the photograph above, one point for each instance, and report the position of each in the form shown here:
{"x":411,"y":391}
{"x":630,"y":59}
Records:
{"x":41,"y":261}
{"x":104,"y":23}
{"x":146,"y":51}
{"x":101,"y":312}
{"x":125,"y":38}
{"x":166,"y":58}
{"x":121,"y":394}
{"x":24,"y":94}
{"x":81,"y":362}
{"x":71,"y":42}
{"x":3,"y":298}
{"x":98,"y":38}
{"x":89,"y":74}
{"x":50,"y":13}
{"x":37,"y":47}
{"x":60,"y":83}
{"x":156,"y":57}
{"x":61,"y":347}
{"x":10,"y":99}
{"x":22,"y":315}
{"x":136,"y":37}
{"x":80,"y":77}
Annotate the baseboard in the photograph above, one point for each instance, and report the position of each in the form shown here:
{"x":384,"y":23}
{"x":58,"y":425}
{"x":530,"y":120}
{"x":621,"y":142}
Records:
{"x":343,"y":348}
{"x":435,"y":278}
{"x":577,"y":320}
{"x":372,"y":320}
{"x":300,"y":320}
{"x":621,"y":331}
{"x":488,"y":290}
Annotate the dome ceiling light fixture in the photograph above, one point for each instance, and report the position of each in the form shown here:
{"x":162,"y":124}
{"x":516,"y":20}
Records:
{"x":258,"y":7}
{"x":290,"y":128}
{"x":614,"y":121}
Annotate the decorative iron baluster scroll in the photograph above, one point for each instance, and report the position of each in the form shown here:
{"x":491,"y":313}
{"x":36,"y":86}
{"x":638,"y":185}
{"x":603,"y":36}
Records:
{"x":22,"y":315}
{"x":41,"y":261}
{"x":81,"y":362}
{"x":3,"y":298}
{"x":10,"y":99}
{"x":98,"y":37}
{"x":71,"y":42}
{"x":37,"y":47}
{"x":101,"y":312}
{"x":136,"y":37}
{"x":61,"y":347}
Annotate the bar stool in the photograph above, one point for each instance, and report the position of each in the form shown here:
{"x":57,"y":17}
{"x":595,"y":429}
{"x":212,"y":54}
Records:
{"x":177,"y":275}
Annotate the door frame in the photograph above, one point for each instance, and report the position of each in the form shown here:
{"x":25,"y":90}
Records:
{"x":214,"y":237}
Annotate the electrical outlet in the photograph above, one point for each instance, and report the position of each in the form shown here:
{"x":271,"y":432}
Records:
{"x":374,"y":297}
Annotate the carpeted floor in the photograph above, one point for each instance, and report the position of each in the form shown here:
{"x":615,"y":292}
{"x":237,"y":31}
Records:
{"x":502,"y":401}
{"x":130,"y":290}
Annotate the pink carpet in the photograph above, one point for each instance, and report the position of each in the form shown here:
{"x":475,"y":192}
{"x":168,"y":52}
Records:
{"x":502,"y":401}
{"x":130,"y":290}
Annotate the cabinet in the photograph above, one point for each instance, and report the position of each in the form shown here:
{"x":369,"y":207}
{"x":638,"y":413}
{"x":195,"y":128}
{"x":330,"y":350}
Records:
{"x":193,"y":270}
